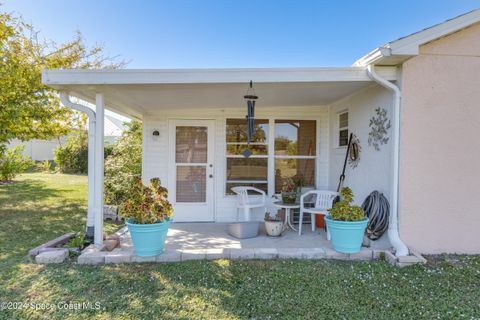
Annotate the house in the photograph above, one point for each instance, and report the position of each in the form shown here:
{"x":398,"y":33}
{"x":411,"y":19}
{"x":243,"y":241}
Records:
{"x":413,"y":104}
{"x":40,"y":150}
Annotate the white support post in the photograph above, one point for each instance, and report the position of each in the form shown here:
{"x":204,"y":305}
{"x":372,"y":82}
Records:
{"x":98,"y":169}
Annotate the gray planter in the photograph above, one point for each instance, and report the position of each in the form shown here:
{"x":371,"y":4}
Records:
{"x":243,"y":230}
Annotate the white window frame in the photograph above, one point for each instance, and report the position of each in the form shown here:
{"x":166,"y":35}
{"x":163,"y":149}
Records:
{"x":272,"y":190}
{"x":337,"y":135}
{"x":229,"y":156}
{"x":271,"y":153}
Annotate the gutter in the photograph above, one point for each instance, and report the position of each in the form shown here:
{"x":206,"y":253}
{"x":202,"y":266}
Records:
{"x":393,"y":230}
{"x":65,"y":99}
{"x":373,"y":57}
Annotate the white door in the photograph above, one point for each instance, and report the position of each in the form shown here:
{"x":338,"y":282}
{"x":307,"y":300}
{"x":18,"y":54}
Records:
{"x":191,"y":170}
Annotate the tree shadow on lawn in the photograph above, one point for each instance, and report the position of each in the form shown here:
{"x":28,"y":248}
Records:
{"x":24,"y":229}
{"x":28,"y":191}
{"x":147,"y":291}
{"x":200,"y":289}
{"x":247,"y":289}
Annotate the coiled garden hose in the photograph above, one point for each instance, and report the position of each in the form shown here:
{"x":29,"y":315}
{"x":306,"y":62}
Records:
{"x":377,"y":209}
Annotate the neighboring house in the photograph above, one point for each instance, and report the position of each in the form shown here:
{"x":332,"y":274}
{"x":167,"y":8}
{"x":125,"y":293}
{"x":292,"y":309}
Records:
{"x":423,"y":90}
{"x":40,"y":150}
{"x":114,"y":128}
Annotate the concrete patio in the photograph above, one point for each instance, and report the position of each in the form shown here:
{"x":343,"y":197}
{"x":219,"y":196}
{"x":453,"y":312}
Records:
{"x":197,"y":241}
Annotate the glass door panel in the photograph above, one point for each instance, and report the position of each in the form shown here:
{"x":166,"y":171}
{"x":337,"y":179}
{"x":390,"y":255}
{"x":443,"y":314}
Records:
{"x":191,"y":157}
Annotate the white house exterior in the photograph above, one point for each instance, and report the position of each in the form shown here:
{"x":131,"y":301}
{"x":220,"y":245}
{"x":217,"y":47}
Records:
{"x":193,"y":134}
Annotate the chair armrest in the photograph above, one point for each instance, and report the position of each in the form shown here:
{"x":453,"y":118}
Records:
{"x":302,"y":197}
{"x":264,"y":195}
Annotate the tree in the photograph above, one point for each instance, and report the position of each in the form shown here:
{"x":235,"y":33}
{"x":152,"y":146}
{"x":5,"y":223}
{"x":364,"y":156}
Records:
{"x":123,"y":164}
{"x":28,"y":109}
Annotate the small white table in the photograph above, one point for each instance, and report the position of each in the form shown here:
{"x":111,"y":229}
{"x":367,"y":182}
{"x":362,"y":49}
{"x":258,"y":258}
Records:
{"x":288,"y":207}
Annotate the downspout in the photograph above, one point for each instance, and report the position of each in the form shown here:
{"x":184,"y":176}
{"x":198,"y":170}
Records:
{"x":393,"y":230}
{"x":65,"y":99}
{"x":99,"y":169}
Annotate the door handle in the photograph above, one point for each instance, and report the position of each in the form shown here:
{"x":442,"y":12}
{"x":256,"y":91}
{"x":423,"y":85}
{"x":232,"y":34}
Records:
{"x":210,"y":175}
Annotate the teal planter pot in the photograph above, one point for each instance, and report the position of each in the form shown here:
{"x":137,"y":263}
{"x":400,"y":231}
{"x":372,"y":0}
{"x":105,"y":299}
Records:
{"x":346,"y":236}
{"x":148,"y":239}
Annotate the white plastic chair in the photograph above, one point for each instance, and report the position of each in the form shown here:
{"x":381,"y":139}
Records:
{"x":323,"y":202}
{"x":248,"y":202}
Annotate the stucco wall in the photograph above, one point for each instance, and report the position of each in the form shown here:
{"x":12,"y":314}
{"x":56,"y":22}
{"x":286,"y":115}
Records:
{"x":373,"y":171}
{"x":440,"y":150}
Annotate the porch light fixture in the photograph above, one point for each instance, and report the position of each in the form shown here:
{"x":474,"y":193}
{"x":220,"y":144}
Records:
{"x":250,"y":97}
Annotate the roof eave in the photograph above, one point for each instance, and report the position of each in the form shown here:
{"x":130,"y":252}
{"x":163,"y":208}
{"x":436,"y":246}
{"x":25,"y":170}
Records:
{"x":410,"y":45}
{"x":398,"y":51}
{"x":55,"y":78}
{"x":373,"y":57}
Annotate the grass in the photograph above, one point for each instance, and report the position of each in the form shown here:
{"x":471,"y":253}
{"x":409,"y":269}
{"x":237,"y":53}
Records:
{"x":41,"y":206}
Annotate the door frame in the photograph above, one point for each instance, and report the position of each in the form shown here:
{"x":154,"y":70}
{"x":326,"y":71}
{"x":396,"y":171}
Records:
{"x":172,"y":172}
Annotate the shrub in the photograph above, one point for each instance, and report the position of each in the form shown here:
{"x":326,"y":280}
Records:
{"x":124,"y":164}
{"x":147,"y":204}
{"x":45,"y":166}
{"x":72,"y":157}
{"x":13,"y":162}
{"x":343,"y":210}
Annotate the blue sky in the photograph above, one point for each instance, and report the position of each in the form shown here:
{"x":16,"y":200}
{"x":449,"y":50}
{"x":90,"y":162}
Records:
{"x":262,"y":33}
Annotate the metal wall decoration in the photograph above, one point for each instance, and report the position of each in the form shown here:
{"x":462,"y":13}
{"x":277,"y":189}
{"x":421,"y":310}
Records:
{"x":250,"y":97}
{"x":354,"y":152}
{"x":379,"y":125}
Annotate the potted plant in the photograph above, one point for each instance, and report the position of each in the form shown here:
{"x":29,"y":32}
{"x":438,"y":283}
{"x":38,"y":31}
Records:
{"x":273,"y":225}
{"x":147,"y":214}
{"x":346,"y":223}
{"x":299,"y":183}
{"x":288,"y":192}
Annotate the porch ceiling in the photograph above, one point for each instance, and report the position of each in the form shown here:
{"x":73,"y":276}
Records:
{"x":141,"y":92}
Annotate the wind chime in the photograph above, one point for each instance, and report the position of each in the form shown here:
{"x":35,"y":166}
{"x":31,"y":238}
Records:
{"x":250,"y":97}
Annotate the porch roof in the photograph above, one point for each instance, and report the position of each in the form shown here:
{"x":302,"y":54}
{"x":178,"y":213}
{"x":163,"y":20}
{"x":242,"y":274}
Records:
{"x":136,"y":93}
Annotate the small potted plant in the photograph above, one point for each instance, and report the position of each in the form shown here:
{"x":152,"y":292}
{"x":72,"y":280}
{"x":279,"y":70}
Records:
{"x":289,"y":195}
{"x":273,"y":225}
{"x":346,"y":224}
{"x":148,"y":214}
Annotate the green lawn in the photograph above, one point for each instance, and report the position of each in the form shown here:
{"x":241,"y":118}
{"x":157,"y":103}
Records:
{"x":41,"y":206}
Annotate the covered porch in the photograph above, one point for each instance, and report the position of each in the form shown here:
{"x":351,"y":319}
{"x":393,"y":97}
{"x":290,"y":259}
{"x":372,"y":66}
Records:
{"x":174,"y":103}
{"x":207,"y":241}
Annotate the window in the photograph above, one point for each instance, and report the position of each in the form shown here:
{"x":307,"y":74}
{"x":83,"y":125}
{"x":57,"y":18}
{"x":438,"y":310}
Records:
{"x":292,"y":153}
{"x":295,"y":151}
{"x":251,"y":171}
{"x":343,"y":129}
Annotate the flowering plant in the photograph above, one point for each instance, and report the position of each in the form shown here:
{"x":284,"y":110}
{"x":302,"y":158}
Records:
{"x":288,"y":186}
{"x":147,"y":204}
